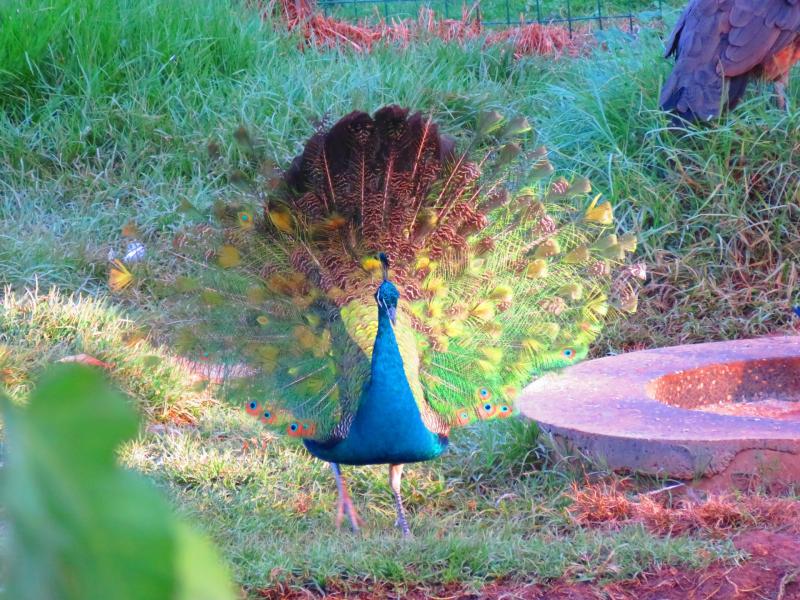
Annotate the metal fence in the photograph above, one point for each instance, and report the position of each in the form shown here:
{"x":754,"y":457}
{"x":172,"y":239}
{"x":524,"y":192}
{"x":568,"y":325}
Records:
{"x":573,"y":13}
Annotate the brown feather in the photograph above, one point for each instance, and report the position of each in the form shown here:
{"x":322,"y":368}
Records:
{"x":389,"y":183}
{"x":720,"y":45}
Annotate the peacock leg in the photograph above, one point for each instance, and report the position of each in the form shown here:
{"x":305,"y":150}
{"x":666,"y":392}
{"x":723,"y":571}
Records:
{"x":781,"y":99}
{"x":395,"y":475}
{"x":344,"y":505}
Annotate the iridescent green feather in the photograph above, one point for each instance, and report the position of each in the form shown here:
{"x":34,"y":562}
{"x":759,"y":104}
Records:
{"x":503,"y":275}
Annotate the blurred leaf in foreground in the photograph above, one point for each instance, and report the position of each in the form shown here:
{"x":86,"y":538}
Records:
{"x":81,"y":527}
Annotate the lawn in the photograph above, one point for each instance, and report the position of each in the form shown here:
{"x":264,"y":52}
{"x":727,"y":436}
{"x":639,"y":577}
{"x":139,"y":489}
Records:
{"x":109,"y":110}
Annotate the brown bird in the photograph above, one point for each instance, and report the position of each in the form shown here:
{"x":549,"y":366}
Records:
{"x":719,"y":45}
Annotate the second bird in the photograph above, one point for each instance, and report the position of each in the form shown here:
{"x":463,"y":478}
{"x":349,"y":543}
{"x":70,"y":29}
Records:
{"x":721,"y":45}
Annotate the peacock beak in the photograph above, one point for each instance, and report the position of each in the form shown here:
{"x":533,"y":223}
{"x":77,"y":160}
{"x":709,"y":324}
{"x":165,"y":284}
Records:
{"x":392,"y":310}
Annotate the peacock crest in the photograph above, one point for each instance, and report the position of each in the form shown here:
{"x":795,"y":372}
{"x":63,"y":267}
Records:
{"x":502,"y":271}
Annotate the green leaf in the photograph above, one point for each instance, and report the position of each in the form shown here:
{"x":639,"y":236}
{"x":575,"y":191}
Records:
{"x":81,"y":527}
{"x":201,"y":576}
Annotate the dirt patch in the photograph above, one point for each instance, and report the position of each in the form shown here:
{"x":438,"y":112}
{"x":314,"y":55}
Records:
{"x":772,"y":571}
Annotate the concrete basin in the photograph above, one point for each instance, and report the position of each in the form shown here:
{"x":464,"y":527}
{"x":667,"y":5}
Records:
{"x":727,"y":413}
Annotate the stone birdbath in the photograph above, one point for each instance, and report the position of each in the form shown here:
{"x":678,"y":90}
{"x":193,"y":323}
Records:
{"x":725,"y":415}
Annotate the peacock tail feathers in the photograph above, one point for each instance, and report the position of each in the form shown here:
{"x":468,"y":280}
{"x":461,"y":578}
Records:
{"x":504,"y":272}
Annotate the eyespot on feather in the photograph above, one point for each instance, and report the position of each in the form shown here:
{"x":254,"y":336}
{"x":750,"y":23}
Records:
{"x":504,"y":412}
{"x":464,"y":417}
{"x":245,"y":220}
{"x":547,"y":248}
{"x":281,"y":218}
{"x":371,"y":265}
{"x":301,"y":429}
{"x":484,"y":394}
{"x":268,"y":417}
{"x":252,"y":408}
{"x":536,"y":269}
{"x":486,"y":410}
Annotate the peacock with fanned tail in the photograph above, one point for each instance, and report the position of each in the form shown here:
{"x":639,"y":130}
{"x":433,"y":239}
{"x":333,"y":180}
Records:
{"x":392,"y":288}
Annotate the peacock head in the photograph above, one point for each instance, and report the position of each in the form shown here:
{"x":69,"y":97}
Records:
{"x":387,"y":294}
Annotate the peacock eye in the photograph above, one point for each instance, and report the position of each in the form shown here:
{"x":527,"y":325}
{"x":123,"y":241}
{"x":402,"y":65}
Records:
{"x":569,"y":352}
{"x":487,"y":407}
{"x":293,"y":427}
{"x":267,"y":415}
{"x":253,"y":405}
{"x":483,"y":393}
{"x":305,"y":426}
{"x":504,"y":409}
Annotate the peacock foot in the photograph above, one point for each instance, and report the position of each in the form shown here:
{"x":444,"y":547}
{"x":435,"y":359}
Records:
{"x":402,"y":525}
{"x":344,"y":506}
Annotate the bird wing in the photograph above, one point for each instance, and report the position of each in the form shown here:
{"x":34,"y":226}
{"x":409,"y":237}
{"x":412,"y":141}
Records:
{"x":671,"y":47}
{"x":713,"y":40}
{"x":757,"y":30}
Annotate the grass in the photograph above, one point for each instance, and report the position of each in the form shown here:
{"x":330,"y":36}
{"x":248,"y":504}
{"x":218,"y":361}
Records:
{"x":494,"y":507}
{"x":108,"y":109}
{"x":39,"y":329}
{"x":271,"y":509}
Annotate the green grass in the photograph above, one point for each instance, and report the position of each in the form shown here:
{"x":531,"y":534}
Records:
{"x":37,"y":330}
{"x":106,"y":112}
{"x":83,"y":155}
{"x":272,"y":512}
{"x":495,"y":507}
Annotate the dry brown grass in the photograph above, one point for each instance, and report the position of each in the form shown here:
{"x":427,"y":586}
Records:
{"x":606,"y":504}
{"x":325,"y":31}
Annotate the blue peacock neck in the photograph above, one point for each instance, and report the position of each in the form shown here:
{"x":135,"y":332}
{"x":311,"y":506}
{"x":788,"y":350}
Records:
{"x":385,"y":351}
{"x":387,"y":427}
{"x":388,"y":387}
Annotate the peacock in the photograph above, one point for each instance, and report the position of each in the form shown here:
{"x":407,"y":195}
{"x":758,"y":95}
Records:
{"x":388,"y":287}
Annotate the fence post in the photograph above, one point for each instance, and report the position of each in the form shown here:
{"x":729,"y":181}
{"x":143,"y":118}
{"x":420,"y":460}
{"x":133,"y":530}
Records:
{"x":569,"y":19}
{"x":630,"y":15}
